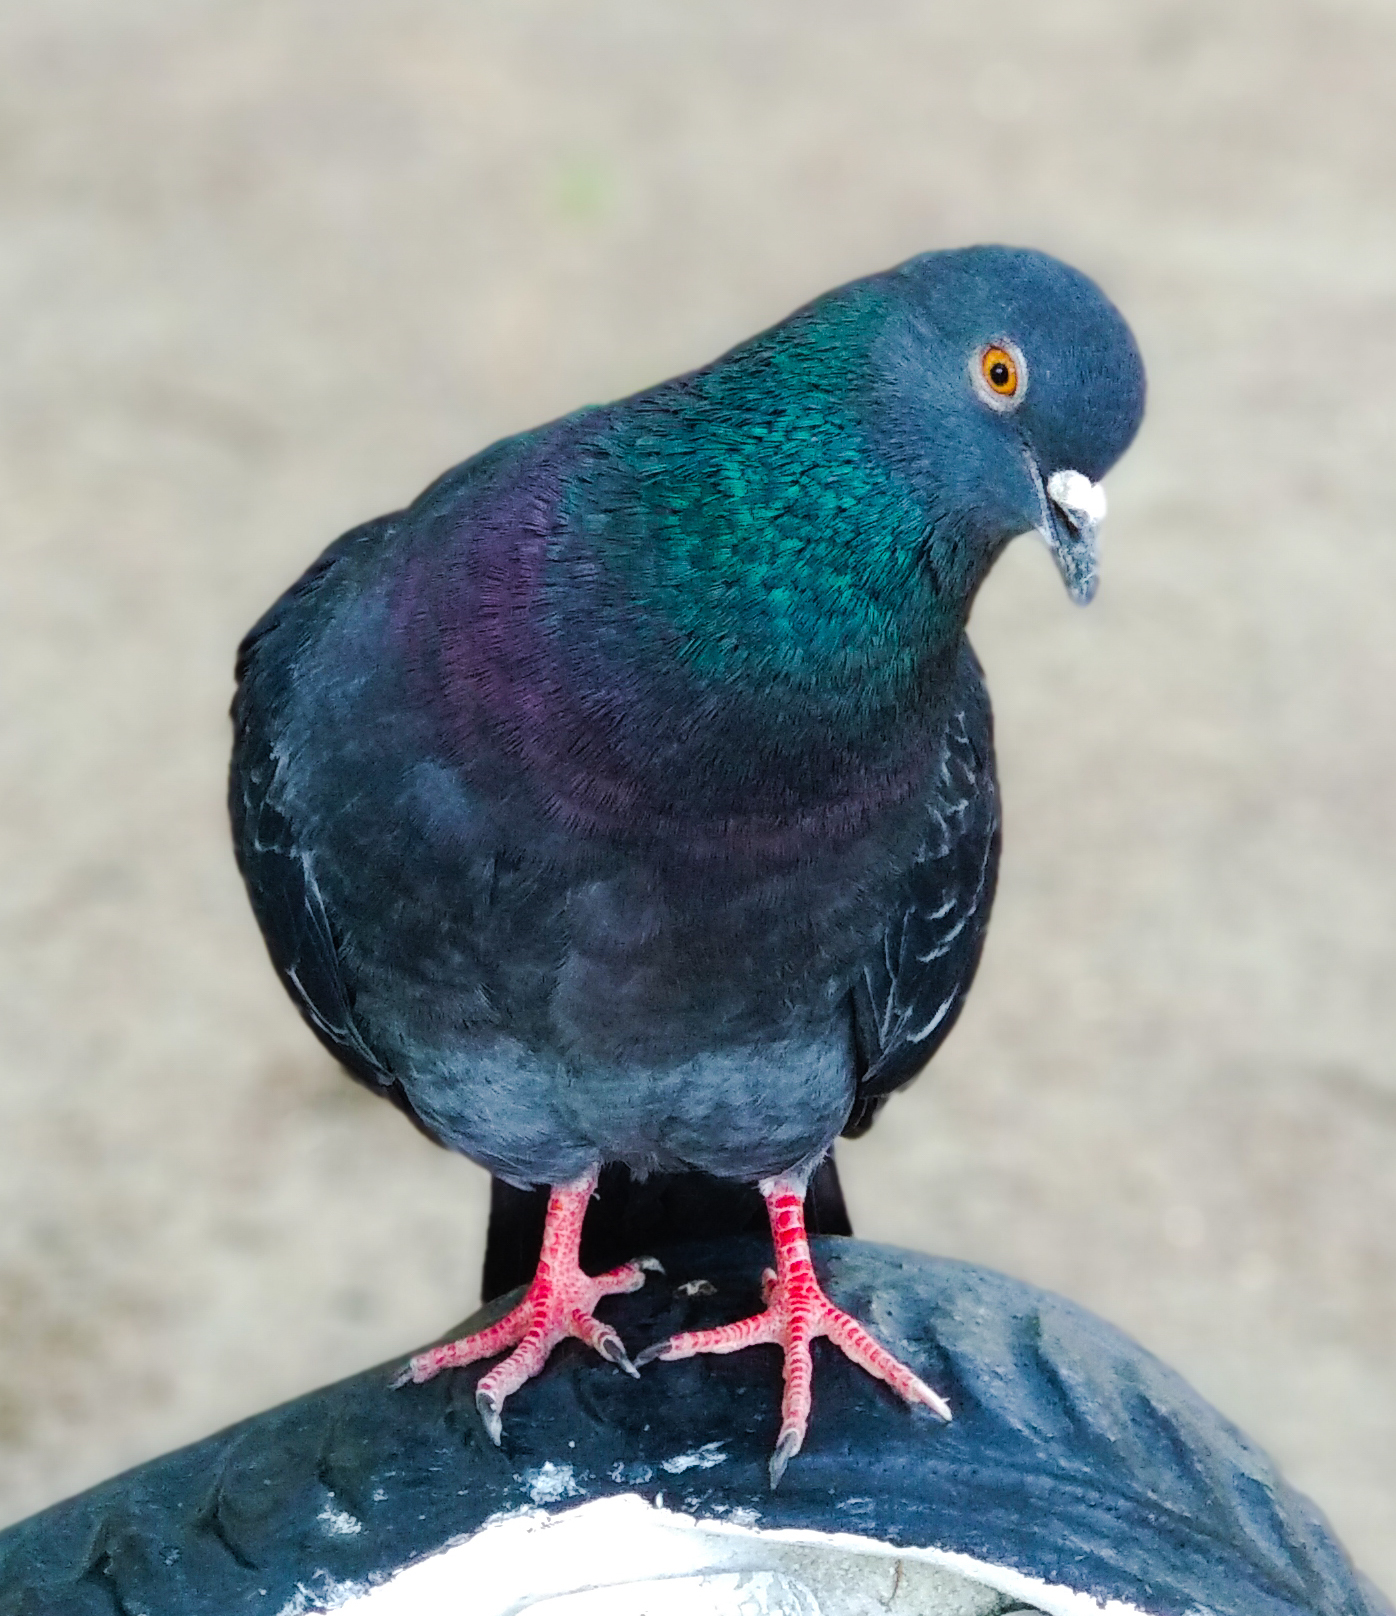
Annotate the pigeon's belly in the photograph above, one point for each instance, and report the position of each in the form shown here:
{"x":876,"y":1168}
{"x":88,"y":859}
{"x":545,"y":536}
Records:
{"x":625,"y":1011}
{"x":742,"y":1112}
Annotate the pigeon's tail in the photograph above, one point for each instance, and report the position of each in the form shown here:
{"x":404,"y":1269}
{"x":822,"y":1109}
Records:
{"x":631,"y":1216}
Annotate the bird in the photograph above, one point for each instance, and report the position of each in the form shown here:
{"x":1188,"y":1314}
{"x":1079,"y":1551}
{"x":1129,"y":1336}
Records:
{"x":627,"y":803}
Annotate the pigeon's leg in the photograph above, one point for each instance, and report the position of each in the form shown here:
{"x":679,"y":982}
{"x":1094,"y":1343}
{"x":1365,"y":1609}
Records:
{"x":558,"y":1303}
{"x":797,"y":1310}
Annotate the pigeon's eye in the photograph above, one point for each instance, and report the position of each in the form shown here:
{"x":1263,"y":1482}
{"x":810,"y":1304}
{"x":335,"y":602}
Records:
{"x":1000,"y":372}
{"x":1000,"y":375}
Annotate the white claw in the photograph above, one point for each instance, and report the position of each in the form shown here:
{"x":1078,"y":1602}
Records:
{"x":489,"y":1415}
{"x":614,"y":1352}
{"x":786,"y":1448}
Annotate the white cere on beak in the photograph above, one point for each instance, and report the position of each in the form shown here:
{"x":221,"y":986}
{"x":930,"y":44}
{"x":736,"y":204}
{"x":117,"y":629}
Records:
{"x":1082,"y":500}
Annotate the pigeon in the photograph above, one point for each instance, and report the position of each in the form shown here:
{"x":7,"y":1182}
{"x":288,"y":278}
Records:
{"x":628,"y":801}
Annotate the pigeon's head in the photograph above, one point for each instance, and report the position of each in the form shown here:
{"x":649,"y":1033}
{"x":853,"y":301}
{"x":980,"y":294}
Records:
{"x":1011,"y":385}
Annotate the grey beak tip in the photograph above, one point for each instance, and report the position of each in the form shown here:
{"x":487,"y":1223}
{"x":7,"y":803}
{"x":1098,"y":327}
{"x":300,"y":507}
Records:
{"x":1072,"y":508}
{"x":1074,"y":551}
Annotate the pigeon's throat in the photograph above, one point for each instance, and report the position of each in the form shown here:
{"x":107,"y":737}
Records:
{"x":831,"y":619}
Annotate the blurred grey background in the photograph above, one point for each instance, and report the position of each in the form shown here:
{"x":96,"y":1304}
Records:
{"x":266,"y":268}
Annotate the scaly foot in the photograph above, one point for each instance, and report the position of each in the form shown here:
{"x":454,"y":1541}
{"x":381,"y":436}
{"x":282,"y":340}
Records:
{"x":797,"y":1310}
{"x":558,"y":1303}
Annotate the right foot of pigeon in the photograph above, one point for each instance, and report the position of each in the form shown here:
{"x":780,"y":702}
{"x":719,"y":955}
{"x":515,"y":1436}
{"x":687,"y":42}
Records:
{"x":560,"y":1302}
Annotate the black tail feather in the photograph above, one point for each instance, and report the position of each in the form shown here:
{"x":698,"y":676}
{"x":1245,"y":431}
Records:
{"x":630,"y":1217}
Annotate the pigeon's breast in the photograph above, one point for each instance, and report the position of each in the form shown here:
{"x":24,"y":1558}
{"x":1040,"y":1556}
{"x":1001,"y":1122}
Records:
{"x":556,"y":681}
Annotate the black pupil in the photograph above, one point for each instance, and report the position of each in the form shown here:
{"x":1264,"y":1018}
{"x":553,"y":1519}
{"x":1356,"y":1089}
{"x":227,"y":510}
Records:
{"x":998,"y":373}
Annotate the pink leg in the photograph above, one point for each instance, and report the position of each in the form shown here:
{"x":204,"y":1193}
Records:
{"x":797,"y":1310}
{"x":558,"y":1303}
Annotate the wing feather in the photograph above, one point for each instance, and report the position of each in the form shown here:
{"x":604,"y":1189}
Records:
{"x":276,"y":863}
{"x":913,"y":986}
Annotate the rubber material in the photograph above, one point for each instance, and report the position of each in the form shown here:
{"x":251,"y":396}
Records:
{"x":1074,"y":1456}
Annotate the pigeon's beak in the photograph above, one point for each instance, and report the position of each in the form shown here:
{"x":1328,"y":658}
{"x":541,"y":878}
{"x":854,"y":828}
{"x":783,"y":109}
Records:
{"x":1073,"y":507}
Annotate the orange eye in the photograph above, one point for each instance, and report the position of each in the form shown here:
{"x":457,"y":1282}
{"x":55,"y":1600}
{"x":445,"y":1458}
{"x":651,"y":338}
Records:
{"x":1000,"y":371}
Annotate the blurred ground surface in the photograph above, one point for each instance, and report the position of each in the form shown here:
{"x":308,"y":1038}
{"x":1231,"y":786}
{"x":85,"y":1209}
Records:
{"x":266,"y":268}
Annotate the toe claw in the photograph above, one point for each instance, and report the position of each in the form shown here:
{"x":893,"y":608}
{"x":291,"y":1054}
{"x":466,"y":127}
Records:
{"x":651,"y":1353}
{"x":489,"y":1415}
{"x":938,"y":1405}
{"x":790,"y":1442}
{"x":650,"y":1265}
{"x":610,"y":1347}
{"x":404,"y":1377}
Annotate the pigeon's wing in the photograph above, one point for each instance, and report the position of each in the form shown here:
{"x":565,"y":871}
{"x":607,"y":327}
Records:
{"x":280,"y":876}
{"x":273,"y":854}
{"x":912,"y":987}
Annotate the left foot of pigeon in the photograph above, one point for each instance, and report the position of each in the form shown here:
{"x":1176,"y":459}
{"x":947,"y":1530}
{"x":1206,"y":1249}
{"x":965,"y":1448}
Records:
{"x":797,"y":1310}
{"x":559,"y":1302}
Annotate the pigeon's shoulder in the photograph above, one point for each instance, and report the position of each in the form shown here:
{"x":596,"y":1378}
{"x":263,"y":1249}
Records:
{"x":275,"y":851}
{"x":911,"y":988}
